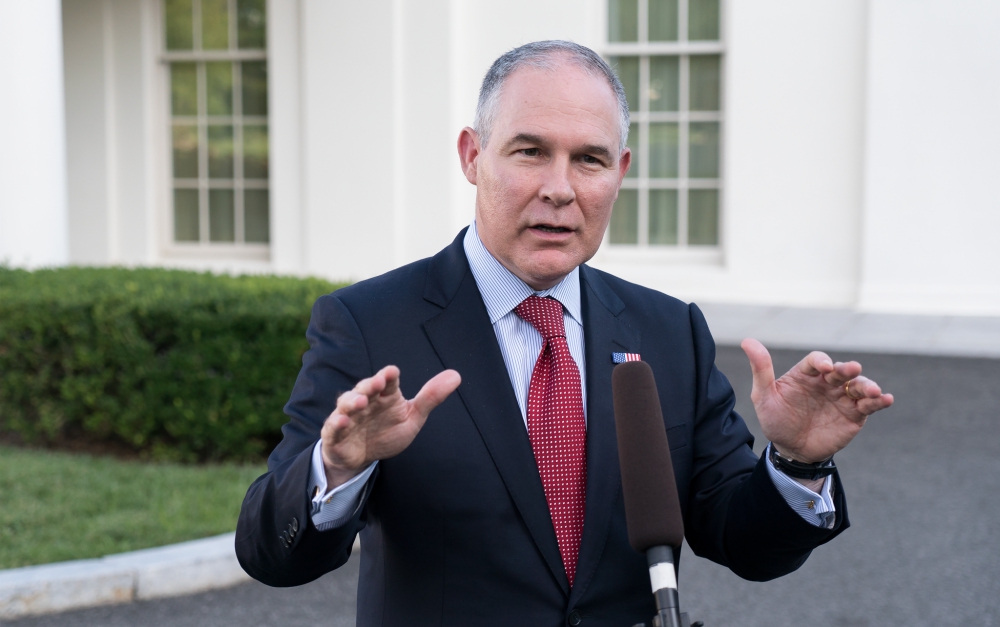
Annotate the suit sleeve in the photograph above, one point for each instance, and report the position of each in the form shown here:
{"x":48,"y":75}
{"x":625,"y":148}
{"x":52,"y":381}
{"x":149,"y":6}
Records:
{"x":276,"y":541}
{"x":736,"y":516}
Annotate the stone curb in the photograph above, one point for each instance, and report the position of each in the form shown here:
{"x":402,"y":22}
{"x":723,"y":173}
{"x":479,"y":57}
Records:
{"x":174,"y":570}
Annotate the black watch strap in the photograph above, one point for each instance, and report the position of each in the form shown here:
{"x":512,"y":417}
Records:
{"x":801,"y":470}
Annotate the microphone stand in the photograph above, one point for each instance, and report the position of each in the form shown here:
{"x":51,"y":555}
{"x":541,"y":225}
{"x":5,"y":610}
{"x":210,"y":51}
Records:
{"x":663,"y":578}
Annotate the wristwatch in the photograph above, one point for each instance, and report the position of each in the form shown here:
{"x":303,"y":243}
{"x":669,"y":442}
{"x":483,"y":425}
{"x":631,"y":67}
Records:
{"x":801,"y":470}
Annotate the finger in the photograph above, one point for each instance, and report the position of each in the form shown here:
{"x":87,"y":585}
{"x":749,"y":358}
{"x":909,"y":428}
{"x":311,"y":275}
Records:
{"x":869,"y":406}
{"x":843,"y":372}
{"x":391,"y":376}
{"x":335,"y":427}
{"x":351,"y":402}
{"x":435,"y":391}
{"x":861,"y":388}
{"x":760,"y":365}
{"x":373,"y":385}
{"x":815,"y":363}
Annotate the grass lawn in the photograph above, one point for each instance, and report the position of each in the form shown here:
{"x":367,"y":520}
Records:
{"x":63,"y":506}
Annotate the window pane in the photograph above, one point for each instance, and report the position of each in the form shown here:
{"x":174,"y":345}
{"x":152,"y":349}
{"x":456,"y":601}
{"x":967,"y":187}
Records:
{"x":219,"y":84}
{"x":221,"y":218}
{"x":664,"y":83}
{"x":220,"y":152}
{"x":705,"y":80}
{"x":633,"y":145}
{"x":179,"y":25}
{"x":704,"y":154}
{"x":623,"y":20}
{"x":256,"y":219}
{"x":255,"y":152}
{"x":624,"y":227}
{"x":183,"y":89}
{"x":663,"y":216}
{"x":703,"y":20}
{"x":627,"y":69}
{"x":663,"y":20}
{"x":663,"y":151}
{"x":250,"y":23}
{"x":185,"y":145}
{"x":255,"y":88}
{"x":186,"y":215}
{"x":214,"y":24}
{"x":703,"y":217}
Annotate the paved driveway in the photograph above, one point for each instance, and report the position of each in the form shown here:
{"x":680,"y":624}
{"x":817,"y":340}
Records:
{"x":922,"y":482}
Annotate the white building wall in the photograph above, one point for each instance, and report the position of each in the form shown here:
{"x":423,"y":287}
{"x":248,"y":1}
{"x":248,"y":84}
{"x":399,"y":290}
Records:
{"x":932,"y":209}
{"x":348,"y":137}
{"x":286,"y":134}
{"x":792,"y":162}
{"x":386,"y":88}
{"x":857,"y":157}
{"x":33,"y":214}
{"x":110,"y":134}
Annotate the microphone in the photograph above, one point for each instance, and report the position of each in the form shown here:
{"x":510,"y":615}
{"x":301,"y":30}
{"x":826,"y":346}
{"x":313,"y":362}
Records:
{"x":652,"y":507}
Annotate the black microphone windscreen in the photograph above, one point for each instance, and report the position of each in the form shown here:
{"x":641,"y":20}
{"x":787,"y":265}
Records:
{"x":652,"y":508}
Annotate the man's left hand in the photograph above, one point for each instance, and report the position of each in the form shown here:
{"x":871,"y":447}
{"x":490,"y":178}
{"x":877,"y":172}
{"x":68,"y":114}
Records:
{"x":816,"y":408}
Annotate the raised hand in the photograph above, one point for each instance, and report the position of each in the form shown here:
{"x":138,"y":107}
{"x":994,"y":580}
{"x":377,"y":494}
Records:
{"x":816,"y":408}
{"x":373,"y":421}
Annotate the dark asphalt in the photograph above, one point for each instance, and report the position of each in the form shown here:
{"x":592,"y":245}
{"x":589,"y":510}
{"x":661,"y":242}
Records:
{"x":922,"y":481}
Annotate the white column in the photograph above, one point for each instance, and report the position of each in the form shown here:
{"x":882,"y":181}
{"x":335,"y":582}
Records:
{"x":288,"y":241}
{"x":33,"y":214}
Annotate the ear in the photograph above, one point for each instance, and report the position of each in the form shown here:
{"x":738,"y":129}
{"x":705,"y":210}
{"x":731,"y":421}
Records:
{"x":468,"y":152}
{"x":624,"y":162}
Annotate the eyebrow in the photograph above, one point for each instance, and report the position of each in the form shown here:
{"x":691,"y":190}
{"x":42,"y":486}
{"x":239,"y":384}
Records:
{"x":528,"y":138}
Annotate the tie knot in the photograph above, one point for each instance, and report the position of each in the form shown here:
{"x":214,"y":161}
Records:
{"x":545,"y":314}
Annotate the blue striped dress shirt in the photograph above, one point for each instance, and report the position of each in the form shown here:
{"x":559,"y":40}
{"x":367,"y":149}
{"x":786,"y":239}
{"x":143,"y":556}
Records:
{"x":520,"y":345}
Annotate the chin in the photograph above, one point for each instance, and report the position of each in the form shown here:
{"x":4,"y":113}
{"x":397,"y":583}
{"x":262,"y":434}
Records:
{"x":550,"y":272}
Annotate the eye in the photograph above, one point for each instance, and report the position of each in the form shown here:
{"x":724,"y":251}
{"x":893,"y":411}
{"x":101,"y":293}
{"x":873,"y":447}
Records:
{"x":530,"y":152}
{"x":591,"y":160}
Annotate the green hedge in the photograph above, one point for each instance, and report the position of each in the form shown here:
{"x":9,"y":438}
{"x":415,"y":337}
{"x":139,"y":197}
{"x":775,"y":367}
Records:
{"x":173,"y":364}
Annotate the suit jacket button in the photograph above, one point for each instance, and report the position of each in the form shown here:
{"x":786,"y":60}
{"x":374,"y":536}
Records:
{"x":575,"y":618}
{"x":295,"y":525}
{"x":283,"y":541}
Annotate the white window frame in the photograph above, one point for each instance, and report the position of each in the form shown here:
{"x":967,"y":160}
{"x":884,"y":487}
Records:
{"x":682,"y":48}
{"x":203,"y":250}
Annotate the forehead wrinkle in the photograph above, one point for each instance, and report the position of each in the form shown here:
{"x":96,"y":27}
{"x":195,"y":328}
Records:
{"x":583,"y":119}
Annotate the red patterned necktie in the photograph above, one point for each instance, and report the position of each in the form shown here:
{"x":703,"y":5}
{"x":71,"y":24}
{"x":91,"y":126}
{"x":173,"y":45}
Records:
{"x":556,"y":427}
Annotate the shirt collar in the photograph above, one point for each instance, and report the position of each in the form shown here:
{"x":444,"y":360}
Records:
{"x":502,"y":291}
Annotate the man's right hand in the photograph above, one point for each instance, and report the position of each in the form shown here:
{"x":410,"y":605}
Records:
{"x":373,"y":421}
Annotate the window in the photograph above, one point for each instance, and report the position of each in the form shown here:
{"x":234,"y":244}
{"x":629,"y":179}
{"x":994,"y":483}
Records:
{"x":668,"y":55}
{"x":216,"y":53}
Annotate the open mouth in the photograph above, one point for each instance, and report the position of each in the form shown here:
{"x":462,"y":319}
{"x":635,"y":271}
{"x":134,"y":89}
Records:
{"x":551,"y":229}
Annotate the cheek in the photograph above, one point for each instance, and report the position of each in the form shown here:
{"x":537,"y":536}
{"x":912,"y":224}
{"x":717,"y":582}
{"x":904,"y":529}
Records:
{"x":597,"y":197}
{"x":505,"y":195}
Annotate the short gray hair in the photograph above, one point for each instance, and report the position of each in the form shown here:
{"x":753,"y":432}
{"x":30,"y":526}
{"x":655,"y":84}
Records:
{"x":544,"y":55}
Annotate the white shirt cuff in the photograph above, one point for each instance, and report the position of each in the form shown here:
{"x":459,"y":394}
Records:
{"x":334,"y":508}
{"x":815,"y":508}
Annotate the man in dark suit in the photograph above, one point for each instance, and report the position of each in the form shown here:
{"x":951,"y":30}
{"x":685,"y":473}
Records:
{"x":505,"y":507}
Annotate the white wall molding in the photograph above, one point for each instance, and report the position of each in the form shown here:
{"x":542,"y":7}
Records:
{"x":34,"y":229}
{"x":288,"y":218}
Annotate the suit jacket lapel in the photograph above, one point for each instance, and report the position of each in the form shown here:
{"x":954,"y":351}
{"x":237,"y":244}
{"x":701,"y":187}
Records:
{"x":604,"y":333}
{"x":464,"y":340}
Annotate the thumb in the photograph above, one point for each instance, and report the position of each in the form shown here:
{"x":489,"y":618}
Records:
{"x":435,"y":391}
{"x":760,"y":365}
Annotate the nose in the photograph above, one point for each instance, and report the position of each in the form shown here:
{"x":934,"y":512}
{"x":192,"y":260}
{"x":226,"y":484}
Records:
{"x":557,"y":188}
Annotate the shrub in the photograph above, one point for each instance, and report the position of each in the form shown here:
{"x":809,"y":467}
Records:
{"x":173,"y":364}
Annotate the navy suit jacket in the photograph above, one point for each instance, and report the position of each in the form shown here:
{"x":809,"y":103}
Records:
{"x":455,"y":530}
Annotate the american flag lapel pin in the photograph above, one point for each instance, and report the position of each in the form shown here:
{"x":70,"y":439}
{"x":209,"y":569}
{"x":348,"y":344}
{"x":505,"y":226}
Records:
{"x":620,"y":358}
